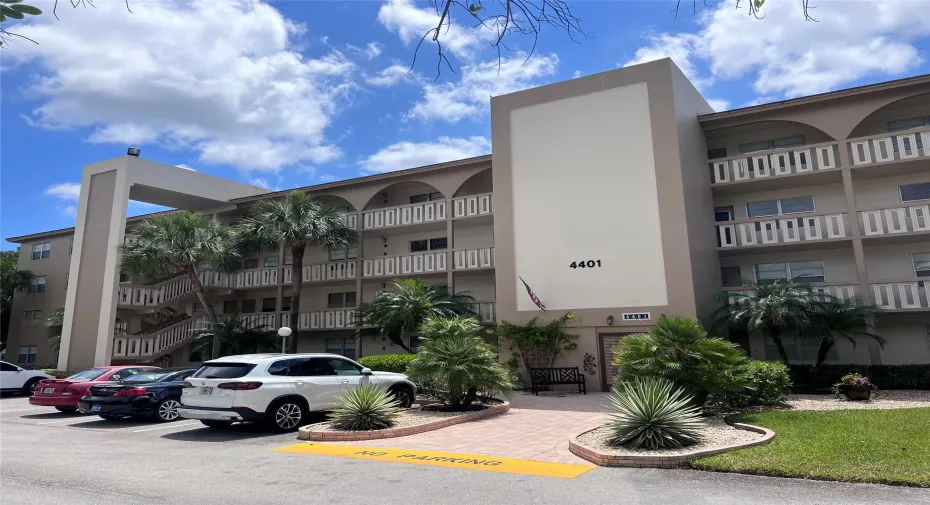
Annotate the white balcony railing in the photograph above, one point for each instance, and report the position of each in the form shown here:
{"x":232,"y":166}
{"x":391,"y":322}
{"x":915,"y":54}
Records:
{"x":485,"y":311}
{"x":468,"y":206}
{"x":404,"y":215}
{"x":904,"y":145}
{"x":912,"y":218}
{"x":352,"y":220}
{"x":473,"y":258}
{"x":417,"y":263}
{"x":157,"y":294}
{"x":839,"y":291}
{"x":775,"y":163}
{"x":257,"y":277}
{"x":902,"y":295}
{"x":267,"y":319}
{"x":782,"y":230}
{"x":159,"y":342}
{"x":119,"y":327}
{"x":329,"y":271}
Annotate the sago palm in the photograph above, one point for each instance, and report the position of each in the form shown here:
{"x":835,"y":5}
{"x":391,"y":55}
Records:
{"x":833,"y":319}
{"x":401,"y":309}
{"x":773,"y":308}
{"x":53,"y":327}
{"x":678,"y":349}
{"x":458,"y":362}
{"x":181,"y":241}
{"x":297,"y":221}
{"x":234,"y":334}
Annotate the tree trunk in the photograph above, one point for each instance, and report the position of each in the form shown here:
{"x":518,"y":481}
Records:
{"x":825,"y":345}
{"x":399,"y":340}
{"x":297,"y":277}
{"x":207,"y":307}
{"x":470,"y":397}
{"x":776,"y":337}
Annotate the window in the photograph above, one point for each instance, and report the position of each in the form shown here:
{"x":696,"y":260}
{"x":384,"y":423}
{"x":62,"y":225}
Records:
{"x":425,"y":197}
{"x":272,"y":261}
{"x":41,"y":250}
{"x":268,"y":304}
{"x":27,"y":354}
{"x":341,"y":346}
{"x":251,"y":263}
{"x":343,"y":367}
{"x":310,"y":367}
{"x":914,"y":192}
{"x":288,"y":258}
{"x":921,"y":264}
{"x":908,"y":124}
{"x":286,"y":304}
{"x":229,"y":307}
{"x":343,"y":254}
{"x":125,"y":373}
{"x":33,"y":318}
{"x":282,"y":367}
{"x":223,"y":371}
{"x":766,"y":145}
{"x":67,"y":277}
{"x":782,"y":206}
{"x":248,"y":306}
{"x":797,"y":271}
{"x":6,"y":367}
{"x":432,"y":244}
{"x":71,"y":246}
{"x":723,"y":214}
{"x":340,"y":300}
{"x":123,"y":277}
{"x":720,"y":152}
{"x":731,"y":277}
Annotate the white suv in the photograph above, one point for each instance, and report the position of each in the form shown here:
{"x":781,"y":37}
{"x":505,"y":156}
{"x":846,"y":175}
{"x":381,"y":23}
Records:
{"x":278,"y":389}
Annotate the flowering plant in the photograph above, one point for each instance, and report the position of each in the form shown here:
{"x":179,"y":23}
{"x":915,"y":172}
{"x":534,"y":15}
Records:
{"x":854,"y":380}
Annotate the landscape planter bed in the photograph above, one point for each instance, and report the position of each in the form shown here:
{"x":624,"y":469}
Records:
{"x":320,"y":432}
{"x":654,"y":460}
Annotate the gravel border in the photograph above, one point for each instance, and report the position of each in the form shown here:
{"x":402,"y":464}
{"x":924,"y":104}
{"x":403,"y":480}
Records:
{"x":716,"y":435}
{"x":409,"y":418}
{"x":891,"y":399}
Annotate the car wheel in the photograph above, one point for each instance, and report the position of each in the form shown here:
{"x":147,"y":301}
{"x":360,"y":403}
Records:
{"x":285,"y":415}
{"x":216,"y":424}
{"x":29,"y":388}
{"x":403,"y":396}
{"x":66,"y":409}
{"x":167,"y":410}
{"x":109,"y":417}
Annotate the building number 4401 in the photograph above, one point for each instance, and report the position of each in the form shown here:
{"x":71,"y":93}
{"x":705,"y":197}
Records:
{"x":585,"y":264}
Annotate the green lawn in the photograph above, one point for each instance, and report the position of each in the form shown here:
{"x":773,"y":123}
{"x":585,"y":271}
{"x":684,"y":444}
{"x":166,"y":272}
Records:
{"x":882,"y":446}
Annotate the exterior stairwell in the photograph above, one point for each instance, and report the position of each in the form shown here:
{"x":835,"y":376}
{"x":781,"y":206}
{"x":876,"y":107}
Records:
{"x":157,"y":342}
{"x":157,"y":295}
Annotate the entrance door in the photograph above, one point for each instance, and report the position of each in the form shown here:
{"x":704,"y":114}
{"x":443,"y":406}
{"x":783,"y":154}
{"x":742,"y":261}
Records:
{"x":606,"y":342}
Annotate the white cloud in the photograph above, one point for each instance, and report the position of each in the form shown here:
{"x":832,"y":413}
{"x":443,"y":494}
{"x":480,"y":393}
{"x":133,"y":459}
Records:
{"x":391,"y":76}
{"x":416,"y":154}
{"x":262,"y":183}
{"x":68,"y":211}
{"x":719,"y":104}
{"x":64,"y":191}
{"x":372,"y":50}
{"x":185,"y":167}
{"x":411,"y":23}
{"x":328,"y":178}
{"x":577,"y":74}
{"x":221,"y":78}
{"x":471,"y":95}
{"x":784,"y":55}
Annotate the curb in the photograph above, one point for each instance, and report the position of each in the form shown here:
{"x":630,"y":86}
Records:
{"x":670,"y":461}
{"x":315,"y":434}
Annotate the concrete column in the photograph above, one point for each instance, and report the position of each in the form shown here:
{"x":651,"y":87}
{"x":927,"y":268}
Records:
{"x":450,"y":245}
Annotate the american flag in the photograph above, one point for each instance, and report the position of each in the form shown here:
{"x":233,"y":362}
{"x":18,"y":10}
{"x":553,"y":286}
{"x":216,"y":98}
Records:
{"x":533,"y":296}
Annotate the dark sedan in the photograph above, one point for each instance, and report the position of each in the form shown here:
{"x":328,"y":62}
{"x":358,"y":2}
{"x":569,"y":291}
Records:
{"x":154,"y":395}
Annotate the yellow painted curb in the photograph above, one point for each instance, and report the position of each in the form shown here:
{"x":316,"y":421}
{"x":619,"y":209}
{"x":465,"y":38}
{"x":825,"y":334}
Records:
{"x":444,"y":459}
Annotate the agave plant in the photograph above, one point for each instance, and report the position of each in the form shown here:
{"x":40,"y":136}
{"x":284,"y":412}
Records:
{"x":367,"y":407}
{"x":651,"y":415}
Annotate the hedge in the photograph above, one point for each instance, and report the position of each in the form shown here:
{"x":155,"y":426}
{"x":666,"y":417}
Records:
{"x":811,"y":379}
{"x":396,"y":363}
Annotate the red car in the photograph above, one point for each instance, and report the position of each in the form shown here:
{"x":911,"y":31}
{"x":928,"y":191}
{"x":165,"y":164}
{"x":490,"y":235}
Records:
{"x":64,"y":394}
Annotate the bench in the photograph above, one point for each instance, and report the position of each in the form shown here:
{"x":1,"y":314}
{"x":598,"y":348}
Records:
{"x":551,"y":376}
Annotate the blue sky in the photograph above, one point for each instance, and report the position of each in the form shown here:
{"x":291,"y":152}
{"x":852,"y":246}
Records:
{"x":286,"y":94}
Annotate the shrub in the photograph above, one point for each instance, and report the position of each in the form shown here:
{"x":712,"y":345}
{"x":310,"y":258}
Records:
{"x":650,"y":414}
{"x":58,"y":374}
{"x":768,"y":383}
{"x":458,"y":362}
{"x":367,"y":407}
{"x":396,"y":363}
{"x":678,"y":349}
{"x":811,"y":379}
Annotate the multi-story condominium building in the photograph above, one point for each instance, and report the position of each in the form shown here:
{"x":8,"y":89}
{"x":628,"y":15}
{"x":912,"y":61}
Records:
{"x":619,"y":196}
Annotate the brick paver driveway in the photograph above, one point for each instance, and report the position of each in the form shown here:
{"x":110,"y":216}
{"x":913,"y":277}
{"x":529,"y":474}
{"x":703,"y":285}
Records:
{"x":536,"y":428}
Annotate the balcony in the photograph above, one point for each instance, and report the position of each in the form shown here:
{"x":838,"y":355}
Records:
{"x":886,"y":148}
{"x":267,"y":319}
{"x":785,"y":230}
{"x":471,"y":206}
{"x":257,"y":277}
{"x":902,"y":296}
{"x":766,"y":165}
{"x":893,"y":221}
{"x":472,"y":259}
{"x":323,"y":319}
{"x":133,"y":295}
{"x":404,"y":215}
{"x":417,"y":263}
{"x":158,"y":343}
{"x":485,"y":311}
{"x":328,"y":271}
{"x":840,"y":291}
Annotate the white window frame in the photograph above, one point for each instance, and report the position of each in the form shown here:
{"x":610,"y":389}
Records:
{"x":755,"y":269}
{"x":34,"y":353}
{"x":30,"y":319}
{"x":349,"y":253}
{"x":71,"y":247}
{"x":275,"y":257}
{"x":901,"y":192}
{"x":771,"y":144}
{"x":780,"y":211}
{"x":44,"y":250}
{"x":925,"y":119}
{"x":35,"y":282}
{"x":344,"y":304}
{"x":429,"y":244}
{"x":914,"y":264}
{"x":430,"y":197}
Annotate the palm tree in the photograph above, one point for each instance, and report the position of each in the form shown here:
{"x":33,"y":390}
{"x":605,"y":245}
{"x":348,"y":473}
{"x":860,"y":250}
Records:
{"x":297,"y":221}
{"x":181,"y":241}
{"x":401,"y":310}
{"x":53,"y":328}
{"x":12,"y":279}
{"x":834,"y":319}
{"x":772,"y":308}
{"x":234,"y":334}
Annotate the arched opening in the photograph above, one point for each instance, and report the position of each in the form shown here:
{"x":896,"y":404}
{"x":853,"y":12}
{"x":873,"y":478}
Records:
{"x":336,"y":202}
{"x":403,"y":193}
{"x":480,"y":183}
{"x":762,"y":136}
{"x":904,"y":114}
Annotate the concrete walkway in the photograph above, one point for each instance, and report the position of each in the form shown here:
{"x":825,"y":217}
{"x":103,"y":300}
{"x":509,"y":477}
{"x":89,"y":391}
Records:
{"x":536,"y":428}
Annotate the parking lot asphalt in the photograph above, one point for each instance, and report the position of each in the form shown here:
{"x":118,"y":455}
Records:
{"x":50,"y":457}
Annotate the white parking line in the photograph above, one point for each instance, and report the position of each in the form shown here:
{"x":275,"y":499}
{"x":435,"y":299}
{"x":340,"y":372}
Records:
{"x":61,"y":421}
{"x":172,"y":425}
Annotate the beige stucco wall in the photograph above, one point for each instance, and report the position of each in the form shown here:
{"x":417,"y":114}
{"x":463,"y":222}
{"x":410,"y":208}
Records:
{"x":839,"y":265}
{"x":828,"y":199}
{"x":473,"y":237}
{"x":885,"y":192}
{"x":893,"y":262}
{"x":877,"y":122}
{"x":732,"y":138}
{"x":907,"y":339}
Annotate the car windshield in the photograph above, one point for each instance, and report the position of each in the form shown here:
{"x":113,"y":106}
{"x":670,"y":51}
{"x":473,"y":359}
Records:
{"x":88,"y":375}
{"x":175,"y":376}
{"x":222,"y":370}
{"x":144,"y":377}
